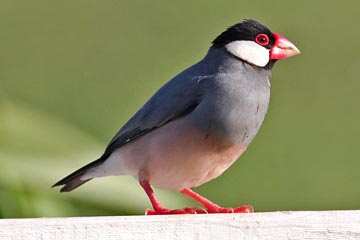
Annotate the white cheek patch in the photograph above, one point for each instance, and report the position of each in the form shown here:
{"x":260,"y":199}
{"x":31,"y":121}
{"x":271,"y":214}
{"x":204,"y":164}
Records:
{"x":249,"y":51}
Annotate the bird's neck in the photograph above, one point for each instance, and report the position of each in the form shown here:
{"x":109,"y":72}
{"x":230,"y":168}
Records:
{"x":236,"y":97}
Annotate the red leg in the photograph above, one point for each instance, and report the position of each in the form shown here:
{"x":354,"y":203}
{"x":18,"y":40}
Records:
{"x":150,"y":193}
{"x":212,"y":207}
{"x":159,"y":209}
{"x":200,"y":199}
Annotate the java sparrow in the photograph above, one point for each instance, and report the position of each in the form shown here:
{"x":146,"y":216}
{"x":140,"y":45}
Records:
{"x":199,"y":123}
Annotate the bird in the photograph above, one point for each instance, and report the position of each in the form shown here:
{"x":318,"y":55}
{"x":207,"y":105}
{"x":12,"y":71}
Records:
{"x":198,"y":123}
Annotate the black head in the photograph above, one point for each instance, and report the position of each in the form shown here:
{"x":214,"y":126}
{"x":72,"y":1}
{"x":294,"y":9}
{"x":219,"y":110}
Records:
{"x":253,"y":43}
{"x":248,"y":30}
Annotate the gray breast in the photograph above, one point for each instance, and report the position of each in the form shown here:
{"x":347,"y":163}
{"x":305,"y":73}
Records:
{"x":234,"y":103}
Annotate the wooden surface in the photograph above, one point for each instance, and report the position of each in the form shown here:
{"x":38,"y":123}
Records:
{"x":335,"y":225}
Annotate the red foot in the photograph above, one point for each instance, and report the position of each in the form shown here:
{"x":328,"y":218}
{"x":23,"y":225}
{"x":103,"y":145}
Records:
{"x":241,"y":209}
{"x":209,"y":206}
{"x":165,"y":211}
{"x":197,"y":210}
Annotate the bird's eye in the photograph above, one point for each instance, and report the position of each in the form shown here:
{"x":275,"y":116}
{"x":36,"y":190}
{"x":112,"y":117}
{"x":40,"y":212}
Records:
{"x":262,"y":39}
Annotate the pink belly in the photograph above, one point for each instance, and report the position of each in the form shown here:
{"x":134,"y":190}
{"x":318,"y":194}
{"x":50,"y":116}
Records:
{"x":177,"y":156}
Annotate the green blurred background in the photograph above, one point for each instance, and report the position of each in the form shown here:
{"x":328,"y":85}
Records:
{"x":73,"y":72}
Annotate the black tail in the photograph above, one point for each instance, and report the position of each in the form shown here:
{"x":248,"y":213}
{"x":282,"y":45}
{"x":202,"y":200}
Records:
{"x":73,"y":180}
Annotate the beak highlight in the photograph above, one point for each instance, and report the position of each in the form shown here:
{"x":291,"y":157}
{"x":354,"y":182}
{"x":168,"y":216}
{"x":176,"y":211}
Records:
{"x":282,"y":48}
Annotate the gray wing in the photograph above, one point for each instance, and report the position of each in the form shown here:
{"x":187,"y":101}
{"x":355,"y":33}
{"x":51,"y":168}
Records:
{"x":175,"y":99}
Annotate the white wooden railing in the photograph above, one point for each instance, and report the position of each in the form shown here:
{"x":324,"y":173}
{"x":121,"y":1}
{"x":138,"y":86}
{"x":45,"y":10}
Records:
{"x":337,"y":225}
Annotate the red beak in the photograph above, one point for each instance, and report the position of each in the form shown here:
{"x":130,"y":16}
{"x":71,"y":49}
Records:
{"x":282,"y":48}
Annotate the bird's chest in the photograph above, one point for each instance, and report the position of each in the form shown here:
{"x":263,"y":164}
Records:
{"x":236,"y":109}
{"x":240,"y":116}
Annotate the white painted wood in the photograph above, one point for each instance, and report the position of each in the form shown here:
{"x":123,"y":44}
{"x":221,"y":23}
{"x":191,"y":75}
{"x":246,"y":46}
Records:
{"x":337,"y":225}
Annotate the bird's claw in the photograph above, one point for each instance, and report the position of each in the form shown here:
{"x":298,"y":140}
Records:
{"x":198,"y":210}
{"x":165,"y":211}
{"x":241,"y":209}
